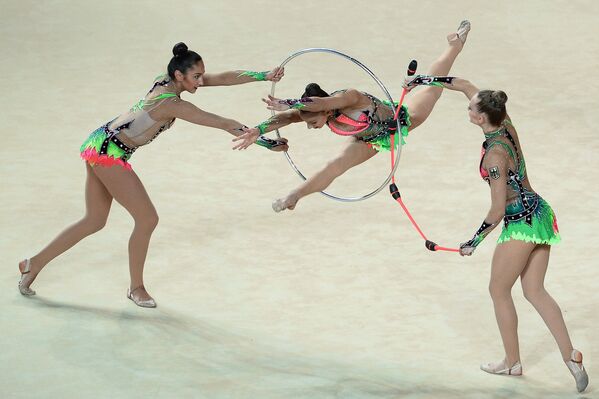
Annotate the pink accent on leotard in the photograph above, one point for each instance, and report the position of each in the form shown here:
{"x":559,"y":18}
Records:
{"x":483,"y":173}
{"x":92,"y":156}
{"x":362,"y":124}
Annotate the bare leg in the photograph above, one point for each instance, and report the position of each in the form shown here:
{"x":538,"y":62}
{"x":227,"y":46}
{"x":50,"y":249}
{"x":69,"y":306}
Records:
{"x":533,"y":279}
{"x":509,"y":260}
{"x":354,"y":154}
{"x":97,"y":204}
{"x":421,"y":104}
{"x":128,"y":190}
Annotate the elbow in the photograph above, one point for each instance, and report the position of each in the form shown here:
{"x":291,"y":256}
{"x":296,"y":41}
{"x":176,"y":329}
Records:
{"x":496,"y":215}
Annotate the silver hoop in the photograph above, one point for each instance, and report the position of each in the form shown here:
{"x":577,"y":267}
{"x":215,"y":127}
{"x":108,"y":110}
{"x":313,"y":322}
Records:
{"x":383,"y":88}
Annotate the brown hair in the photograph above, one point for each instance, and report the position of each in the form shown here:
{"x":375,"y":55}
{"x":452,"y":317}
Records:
{"x":492,"y":104}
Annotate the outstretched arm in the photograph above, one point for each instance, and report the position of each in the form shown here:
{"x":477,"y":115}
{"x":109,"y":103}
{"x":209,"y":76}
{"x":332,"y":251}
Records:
{"x":447,"y":82}
{"x":279,"y":120}
{"x":275,"y":122}
{"x":346,"y":99}
{"x":497,"y":170}
{"x":239,"y":77}
{"x":190,"y":113}
{"x":462,"y":85}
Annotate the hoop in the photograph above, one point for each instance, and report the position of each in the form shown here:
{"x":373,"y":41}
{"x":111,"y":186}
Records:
{"x":383,"y":88}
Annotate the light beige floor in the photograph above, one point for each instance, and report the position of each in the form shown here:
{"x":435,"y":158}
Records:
{"x":329,"y":301}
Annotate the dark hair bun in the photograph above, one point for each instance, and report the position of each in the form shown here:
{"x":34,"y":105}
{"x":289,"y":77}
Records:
{"x":313,"y":87}
{"x":180,"y":49}
{"x":499,"y":98}
{"x":314,"y":90}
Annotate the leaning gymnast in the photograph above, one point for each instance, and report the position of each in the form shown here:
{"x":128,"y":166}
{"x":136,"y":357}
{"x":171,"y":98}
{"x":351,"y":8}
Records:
{"x":109,"y":175}
{"x":529,"y":229}
{"x":367,"y":121}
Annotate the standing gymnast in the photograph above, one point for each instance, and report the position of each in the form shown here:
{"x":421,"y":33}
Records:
{"x":368,"y":121}
{"x":109,"y":175}
{"x":529,"y":229}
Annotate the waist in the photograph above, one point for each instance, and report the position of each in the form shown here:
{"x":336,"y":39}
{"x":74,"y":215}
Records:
{"x":119,"y":139}
{"x":122,"y":137}
{"x":385,"y":128}
{"x":521,"y":203}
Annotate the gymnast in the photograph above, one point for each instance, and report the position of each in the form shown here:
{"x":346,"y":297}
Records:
{"x":367,"y":121}
{"x":109,"y":174}
{"x":529,"y":229}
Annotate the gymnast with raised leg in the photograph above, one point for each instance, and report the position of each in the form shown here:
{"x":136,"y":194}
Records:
{"x":529,"y":229}
{"x":367,"y":121}
{"x":109,"y":175}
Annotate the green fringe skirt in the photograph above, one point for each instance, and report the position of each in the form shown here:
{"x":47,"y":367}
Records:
{"x":542,"y":230}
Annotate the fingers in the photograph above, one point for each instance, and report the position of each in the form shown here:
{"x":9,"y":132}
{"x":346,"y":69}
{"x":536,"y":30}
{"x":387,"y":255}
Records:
{"x":280,"y":73}
{"x":243,"y":145}
{"x":245,"y":140}
{"x":466,"y":251}
{"x":271,"y":101}
{"x":276,"y":74}
{"x":280,"y":148}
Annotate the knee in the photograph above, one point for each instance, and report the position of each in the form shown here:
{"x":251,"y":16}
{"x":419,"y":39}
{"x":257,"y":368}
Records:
{"x":93,"y":224}
{"x":533,"y":293}
{"x":148,"y":222}
{"x":499,"y":291}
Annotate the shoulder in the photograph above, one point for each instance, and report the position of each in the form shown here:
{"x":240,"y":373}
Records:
{"x":346,"y":93}
{"x":162,"y":78}
{"x":159,"y":82}
{"x":356,"y":98}
{"x":354,"y":93}
{"x":496,"y":153}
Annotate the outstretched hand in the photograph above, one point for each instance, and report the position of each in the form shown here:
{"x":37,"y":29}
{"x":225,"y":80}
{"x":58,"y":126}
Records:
{"x":275,"y":74}
{"x":411,"y":82}
{"x":247,"y":138}
{"x":280,"y":146}
{"x":275,"y":104}
{"x":466,"y":250}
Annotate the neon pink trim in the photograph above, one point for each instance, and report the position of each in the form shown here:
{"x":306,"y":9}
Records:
{"x":362,"y":124}
{"x":93,"y":158}
{"x":483,"y":173}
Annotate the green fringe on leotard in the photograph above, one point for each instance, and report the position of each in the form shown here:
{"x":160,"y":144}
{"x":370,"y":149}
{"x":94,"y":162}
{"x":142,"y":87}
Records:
{"x":384,"y":143}
{"x":544,"y":228}
{"x":95,"y":140}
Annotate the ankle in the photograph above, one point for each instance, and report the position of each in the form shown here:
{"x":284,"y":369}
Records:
{"x":455,"y":46}
{"x":36,"y":264}
{"x":573,"y":356}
